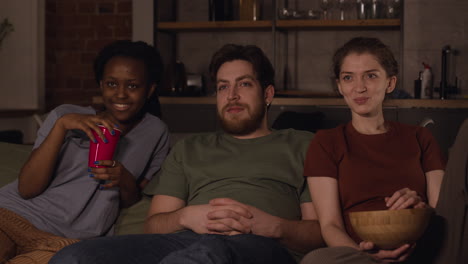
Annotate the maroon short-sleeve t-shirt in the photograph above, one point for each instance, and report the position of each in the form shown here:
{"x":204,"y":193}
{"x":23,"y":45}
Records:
{"x":369,"y":168}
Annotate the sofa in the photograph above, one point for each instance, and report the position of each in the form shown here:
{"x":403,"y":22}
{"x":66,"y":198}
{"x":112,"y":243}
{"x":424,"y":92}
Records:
{"x":12,"y":158}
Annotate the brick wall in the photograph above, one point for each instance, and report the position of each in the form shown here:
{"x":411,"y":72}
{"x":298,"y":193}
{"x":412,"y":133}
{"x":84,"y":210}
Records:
{"x":75,"y":32}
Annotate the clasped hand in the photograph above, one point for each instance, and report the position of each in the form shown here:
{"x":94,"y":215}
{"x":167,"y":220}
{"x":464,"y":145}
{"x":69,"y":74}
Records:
{"x":229,"y":217}
{"x":215,"y":219}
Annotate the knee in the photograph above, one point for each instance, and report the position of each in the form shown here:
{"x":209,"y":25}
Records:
{"x":208,"y":249}
{"x":215,"y":243}
{"x":332,"y":255}
{"x":316,"y":256}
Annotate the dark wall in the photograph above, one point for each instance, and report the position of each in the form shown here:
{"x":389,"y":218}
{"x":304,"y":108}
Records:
{"x":202,"y":118}
{"x":75,"y":31}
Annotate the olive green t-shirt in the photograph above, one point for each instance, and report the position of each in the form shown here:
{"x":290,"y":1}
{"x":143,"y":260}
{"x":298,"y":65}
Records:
{"x":265,"y":172}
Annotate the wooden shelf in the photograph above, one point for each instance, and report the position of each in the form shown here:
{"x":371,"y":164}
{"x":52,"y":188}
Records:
{"x":214,"y":25}
{"x":355,"y":24}
{"x":187,"y":100}
{"x":305,"y":93}
{"x":280,"y":24}
{"x":399,"y":103}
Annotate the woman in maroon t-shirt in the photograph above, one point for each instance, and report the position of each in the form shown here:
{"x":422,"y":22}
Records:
{"x":370,"y":163}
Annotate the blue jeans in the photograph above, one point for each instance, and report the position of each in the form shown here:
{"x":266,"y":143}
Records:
{"x":185,"y":247}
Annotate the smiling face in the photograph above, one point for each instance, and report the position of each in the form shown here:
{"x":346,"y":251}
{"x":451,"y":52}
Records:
{"x":125,"y":89}
{"x":241,"y":101}
{"x":363,"y":82}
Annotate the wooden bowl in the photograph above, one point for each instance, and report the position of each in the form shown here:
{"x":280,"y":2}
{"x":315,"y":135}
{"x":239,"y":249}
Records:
{"x":390,"y":229}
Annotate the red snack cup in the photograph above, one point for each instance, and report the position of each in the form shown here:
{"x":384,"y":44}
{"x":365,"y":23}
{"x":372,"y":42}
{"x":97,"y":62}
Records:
{"x":102,"y":150}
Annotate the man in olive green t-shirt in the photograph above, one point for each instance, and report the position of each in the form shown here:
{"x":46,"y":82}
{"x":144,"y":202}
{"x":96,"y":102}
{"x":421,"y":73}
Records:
{"x":236,"y":196}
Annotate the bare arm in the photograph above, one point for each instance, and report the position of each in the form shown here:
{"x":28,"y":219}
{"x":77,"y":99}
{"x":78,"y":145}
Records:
{"x":130,"y":189}
{"x":36,"y":173}
{"x":434,"y":182}
{"x":302,"y":236}
{"x":407,"y":198}
{"x":163,"y":215}
{"x":324,"y":193}
{"x":169,"y":214}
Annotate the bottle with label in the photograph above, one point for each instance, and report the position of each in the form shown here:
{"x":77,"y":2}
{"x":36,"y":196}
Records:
{"x":426,"y":82}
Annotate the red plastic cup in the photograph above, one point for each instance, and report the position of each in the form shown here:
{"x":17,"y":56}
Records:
{"x":101,"y":150}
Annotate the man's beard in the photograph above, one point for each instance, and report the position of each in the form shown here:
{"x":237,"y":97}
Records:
{"x":240,"y":126}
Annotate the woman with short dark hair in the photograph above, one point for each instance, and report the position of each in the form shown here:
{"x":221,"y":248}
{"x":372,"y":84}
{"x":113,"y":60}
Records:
{"x":57,"y":199}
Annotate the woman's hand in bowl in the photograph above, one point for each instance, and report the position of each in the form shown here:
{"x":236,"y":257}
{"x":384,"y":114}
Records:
{"x":403,"y":199}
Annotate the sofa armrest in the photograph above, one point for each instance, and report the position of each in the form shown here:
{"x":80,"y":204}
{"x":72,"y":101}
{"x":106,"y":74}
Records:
{"x":12,"y":158}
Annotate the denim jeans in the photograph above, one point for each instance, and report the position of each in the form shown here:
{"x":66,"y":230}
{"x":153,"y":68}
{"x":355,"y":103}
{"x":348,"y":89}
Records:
{"x":184,"y":247}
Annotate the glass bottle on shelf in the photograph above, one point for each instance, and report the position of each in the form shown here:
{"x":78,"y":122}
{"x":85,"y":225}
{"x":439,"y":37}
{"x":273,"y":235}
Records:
{"x":362,"y":9}
{"x":249,"y":10}
{"x":326,"y":6}
{"x":376,"y":7}
{"x":392,"y":9}
{"x":344,"y":6}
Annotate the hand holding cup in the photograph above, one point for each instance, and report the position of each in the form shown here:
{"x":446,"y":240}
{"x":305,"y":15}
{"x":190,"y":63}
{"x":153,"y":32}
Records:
{"x":103,"y":149}
{"x":101,"y":155}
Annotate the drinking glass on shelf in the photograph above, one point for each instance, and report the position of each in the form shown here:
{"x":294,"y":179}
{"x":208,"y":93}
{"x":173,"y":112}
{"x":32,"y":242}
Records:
{"x":376,"y":8}
{"x":392,"y":9}
{"x":343,"y":7}
{"x":362,"y":10}
{"x":285,"y":13}
{"x":326,"y":6}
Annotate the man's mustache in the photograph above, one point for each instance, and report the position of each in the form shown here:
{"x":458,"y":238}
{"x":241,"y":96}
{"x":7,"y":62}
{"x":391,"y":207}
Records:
{"x":235,"y":105}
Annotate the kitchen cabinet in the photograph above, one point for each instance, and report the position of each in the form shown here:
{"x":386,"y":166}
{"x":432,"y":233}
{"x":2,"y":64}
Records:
{"x":300,"y":50}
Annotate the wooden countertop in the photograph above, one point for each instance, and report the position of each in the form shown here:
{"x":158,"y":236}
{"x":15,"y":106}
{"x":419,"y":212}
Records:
{"x":400,"y":103}
{"x":279,"y":101}
{"x":297,"y":101}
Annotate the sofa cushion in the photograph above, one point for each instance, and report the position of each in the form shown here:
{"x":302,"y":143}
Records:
{"x":12,"y":158}
{"x":131,"y":219}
